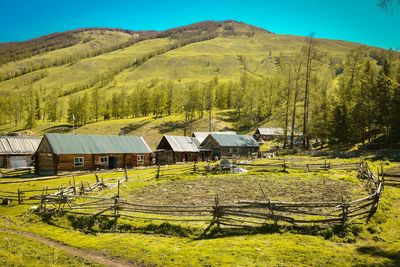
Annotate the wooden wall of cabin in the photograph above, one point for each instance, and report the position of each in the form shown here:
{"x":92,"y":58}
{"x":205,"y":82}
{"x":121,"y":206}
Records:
{"x":3,"y":161}
{"x":45,"y":164}
{"x":237,"y":151}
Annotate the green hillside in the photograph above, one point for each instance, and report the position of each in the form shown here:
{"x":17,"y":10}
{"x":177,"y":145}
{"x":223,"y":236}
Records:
{"x":137,"y":74}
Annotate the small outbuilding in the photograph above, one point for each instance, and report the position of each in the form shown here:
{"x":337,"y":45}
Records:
{"x":228,"y":145}
{"x":172,"y":149}
{"x":65,"y":152}
{"x":270,"y":133}
{"x":17,"y":151}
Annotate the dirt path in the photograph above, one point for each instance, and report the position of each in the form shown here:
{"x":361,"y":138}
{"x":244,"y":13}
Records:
{"x":95,"y":257}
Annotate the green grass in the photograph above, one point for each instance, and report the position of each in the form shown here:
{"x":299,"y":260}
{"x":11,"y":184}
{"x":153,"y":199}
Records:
{"x":16,"y":250}
{"x":153,"y":243}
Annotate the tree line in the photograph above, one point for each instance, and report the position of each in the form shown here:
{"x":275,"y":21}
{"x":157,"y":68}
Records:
{"x":341,"y":101}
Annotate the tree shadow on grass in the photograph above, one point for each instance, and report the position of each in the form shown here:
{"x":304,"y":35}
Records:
{"x":64,"y":128}
{"x":375,"y":251}
{"x":344,"y":234}
{"x":170,"y":126}
{"x":132,"y":127}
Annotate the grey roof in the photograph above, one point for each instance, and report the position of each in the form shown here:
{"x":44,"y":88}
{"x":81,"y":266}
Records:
{"x":18,"y":145}
{"x":96,"y":144}
{"x":271,"y":131}
{"x":201,"y":136}
{"x":234,"y":140}
{"x":182,"y":143}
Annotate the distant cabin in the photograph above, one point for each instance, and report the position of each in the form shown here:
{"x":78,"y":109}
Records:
{"x":201,"y":136}
{"x":172,"y":149}
{"x":228,"y":145}
{"x":270,"y":133}
{"x":17,"y":151}
{"x":65,"y":152}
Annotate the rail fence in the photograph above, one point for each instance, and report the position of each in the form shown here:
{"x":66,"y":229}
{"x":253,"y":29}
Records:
{"x":243,"y":213}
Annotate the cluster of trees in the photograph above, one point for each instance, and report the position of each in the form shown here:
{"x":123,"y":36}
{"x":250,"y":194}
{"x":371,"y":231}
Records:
{"x":367,"y":103}
{"x":29,"y":107}
{"x":333,"y":99}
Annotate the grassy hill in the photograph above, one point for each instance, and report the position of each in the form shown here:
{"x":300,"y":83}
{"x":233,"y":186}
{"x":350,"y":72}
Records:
{"x":110,"y":59}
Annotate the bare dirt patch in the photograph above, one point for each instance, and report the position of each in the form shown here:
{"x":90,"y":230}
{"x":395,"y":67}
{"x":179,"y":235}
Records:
{"x":233,"y":188}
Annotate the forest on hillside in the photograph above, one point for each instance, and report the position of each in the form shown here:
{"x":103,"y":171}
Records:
{"x":341,"y":101}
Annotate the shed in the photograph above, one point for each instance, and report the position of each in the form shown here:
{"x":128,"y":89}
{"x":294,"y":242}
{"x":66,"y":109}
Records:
{"x":172,"y":149}
{"x":228,"y":145}
{"x":64,"y":152}
{"x":269,"y":133}
{"x":17,"y":151}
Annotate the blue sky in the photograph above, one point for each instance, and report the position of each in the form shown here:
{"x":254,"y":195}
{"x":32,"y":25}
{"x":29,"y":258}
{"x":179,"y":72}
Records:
{"x":353,"y":20}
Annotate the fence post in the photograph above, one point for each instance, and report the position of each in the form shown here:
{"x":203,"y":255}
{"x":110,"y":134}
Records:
{"x":42,"y":199}
{"x":118,"y":188}
{"x":194,"y":167}
{"x":73,"y":179}
{"x":345,"y":211}
{"x":307,"y":168}
{"x":115,"y":208}
{"x":284,"y":164}
{"x":126,"y":173}
{"x":19,"y":197}
{"x":269,"y":205}
{"x":158,"y":171}
{"x":217,"y":212}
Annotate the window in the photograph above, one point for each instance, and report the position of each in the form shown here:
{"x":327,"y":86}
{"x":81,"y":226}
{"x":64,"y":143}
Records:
{"x":104,"y":160}
{"x":79,"y":162}
{"x":140,"y":158}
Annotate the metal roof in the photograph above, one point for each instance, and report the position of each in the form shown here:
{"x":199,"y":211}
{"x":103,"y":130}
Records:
{"x":96,"y":144}
{"x":201,"y":136}
{"x":271,"y":131}
{"x":182,"y":143}
{"x":18,"y":145}
{"x":234,"y":140}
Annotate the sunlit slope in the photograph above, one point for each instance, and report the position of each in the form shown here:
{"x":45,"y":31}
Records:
{"x":91,"y":41}
{"x":227,"y":58}
{"x":66,"y":77}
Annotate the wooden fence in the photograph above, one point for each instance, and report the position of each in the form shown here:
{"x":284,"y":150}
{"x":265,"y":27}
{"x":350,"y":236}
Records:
{"x":34,"y":196}
{"x":244,"y":213}
{"x":391,"y":179}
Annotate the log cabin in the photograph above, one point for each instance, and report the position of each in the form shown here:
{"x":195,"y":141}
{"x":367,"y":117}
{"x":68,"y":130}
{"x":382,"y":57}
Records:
{"x":270,"y":133}
{"x":17,"y":151}
{"x":64,"y":152}
{"x":173,"y":149}
{"x":230,"y":145}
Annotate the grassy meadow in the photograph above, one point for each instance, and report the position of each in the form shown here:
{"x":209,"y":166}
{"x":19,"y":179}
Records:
{"x":149,"y":242}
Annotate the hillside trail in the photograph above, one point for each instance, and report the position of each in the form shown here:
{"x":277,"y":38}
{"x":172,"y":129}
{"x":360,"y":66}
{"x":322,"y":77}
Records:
{"x":90,"y":255}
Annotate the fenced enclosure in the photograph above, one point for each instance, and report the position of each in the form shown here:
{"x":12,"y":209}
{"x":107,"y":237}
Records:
{"x":244,"y":213}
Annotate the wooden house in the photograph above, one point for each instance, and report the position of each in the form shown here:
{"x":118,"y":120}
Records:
{"x":64,"y":152}
{"x":228,"y":145}
{"x":172,"y":149}
{"x":17,"y":151}
{"x":270,"y":133}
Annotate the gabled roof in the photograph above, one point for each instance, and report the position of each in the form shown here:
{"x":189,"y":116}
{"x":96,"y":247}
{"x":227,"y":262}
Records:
{"x":96,"y":144}
{"x":181,"y":143}
{"x":233,"y":140}
{"x":271,"y":131}
{"x":18,"y":145}
{"x":201,"y":136}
